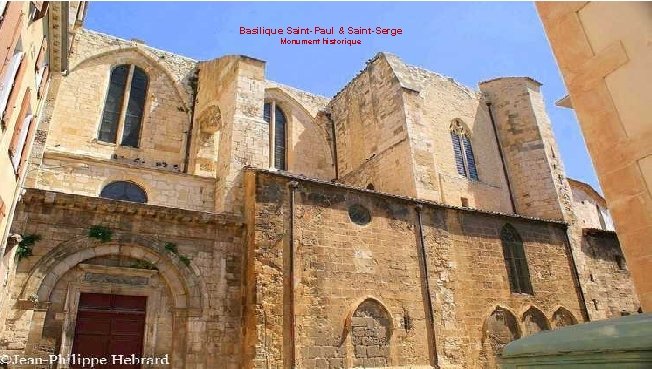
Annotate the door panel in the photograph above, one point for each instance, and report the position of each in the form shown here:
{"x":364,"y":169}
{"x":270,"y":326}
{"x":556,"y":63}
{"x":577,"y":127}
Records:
{"x":110,"y":325}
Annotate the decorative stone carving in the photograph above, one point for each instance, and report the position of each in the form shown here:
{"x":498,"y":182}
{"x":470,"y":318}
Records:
{"x":117,"y":279}
{"x":210,"y":119}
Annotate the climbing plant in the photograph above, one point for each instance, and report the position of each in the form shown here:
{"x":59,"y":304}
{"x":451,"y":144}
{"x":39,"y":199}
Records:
{"x":102,"y":233}
{"x":173,"y":249}
{"x":24,"y":248}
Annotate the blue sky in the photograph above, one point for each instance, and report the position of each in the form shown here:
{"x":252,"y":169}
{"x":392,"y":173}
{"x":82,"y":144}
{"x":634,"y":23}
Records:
{"x":469,"y":41}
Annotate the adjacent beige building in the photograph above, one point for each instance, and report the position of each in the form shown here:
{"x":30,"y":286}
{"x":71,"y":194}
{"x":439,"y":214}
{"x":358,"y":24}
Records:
{"x":198,"y":211}
{"x":604,"y":54}
{"x":34,"y":40}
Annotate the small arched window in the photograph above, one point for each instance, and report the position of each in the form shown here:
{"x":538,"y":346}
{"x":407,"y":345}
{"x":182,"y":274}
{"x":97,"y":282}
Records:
{"x":125,"y":191}
{"x":127,"y":82}
{"x":515,"y":261}
{"x":464,"y":159}
{"x":278,"y":134}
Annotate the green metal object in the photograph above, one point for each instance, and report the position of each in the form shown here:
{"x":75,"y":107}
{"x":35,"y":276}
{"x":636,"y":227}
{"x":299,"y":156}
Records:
{"x":620,"y":343}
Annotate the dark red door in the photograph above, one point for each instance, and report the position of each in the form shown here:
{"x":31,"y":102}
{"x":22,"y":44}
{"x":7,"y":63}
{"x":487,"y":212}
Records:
{"x":109,"y":325}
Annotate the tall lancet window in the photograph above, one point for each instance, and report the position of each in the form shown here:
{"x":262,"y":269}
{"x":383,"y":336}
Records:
{"x":277,"y":135}
{"x":124,"y":106}
{"x":515,"y":260}
{"x":464,"y":159}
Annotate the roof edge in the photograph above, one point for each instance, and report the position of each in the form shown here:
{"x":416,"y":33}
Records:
{"x":284,"y":174}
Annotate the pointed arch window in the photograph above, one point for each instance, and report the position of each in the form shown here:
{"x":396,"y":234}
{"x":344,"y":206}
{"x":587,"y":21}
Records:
{"x":464,"y":158}
{"x":515,"y":260}
{"x":125,"y":191}
{"x":277,"y":135}
{"x":124,"y":106}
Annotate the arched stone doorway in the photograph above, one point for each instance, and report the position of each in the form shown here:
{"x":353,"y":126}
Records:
{"x":128,"y":267}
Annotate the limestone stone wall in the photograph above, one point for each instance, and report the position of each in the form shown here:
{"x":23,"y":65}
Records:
{"x":340,"y":266}
{"x":236,"y":86}
{"x":437,"y":102}
{"x":590,"y":207}
{"x":393,"y":132}
{"x":187,"y":263}
{"x":373,"y":144}
{"x":79,"y":103}
{"x":530,"y":151}
{"x":609,"y":290}
{"x":83,"y":175}
{"x":608,"y":287}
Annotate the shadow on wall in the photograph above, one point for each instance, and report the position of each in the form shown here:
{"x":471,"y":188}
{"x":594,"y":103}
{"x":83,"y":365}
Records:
{"x":308,"y":138}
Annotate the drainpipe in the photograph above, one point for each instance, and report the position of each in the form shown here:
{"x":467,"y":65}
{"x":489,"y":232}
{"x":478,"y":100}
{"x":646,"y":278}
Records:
{"x":291,"y":360}
{"x":186,"y":159}
{"x":576,"y":275}
{"x":333,"y":131}
{"x":429,"y":309}
{"x":502,"y":157}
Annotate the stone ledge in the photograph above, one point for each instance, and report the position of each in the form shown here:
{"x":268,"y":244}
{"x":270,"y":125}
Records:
{"x":399,"y":197}
{"x":35,"y":196}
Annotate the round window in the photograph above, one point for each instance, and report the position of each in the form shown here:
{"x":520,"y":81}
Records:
{"x":359,"y":214}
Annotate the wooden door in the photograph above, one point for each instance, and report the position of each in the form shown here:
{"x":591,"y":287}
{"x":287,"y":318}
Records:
{"x":109,"y":325}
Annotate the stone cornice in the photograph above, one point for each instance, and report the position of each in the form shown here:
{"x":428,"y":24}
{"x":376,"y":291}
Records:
{"x":63,"y":155}
{"x":55,"y":35}
{"x":399,"y":197}
{"x":35,"y":196}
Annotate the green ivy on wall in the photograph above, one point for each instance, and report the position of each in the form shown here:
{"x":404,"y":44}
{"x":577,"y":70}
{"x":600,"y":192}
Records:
{"x":102,"y":233}
{"x":24,"y":248}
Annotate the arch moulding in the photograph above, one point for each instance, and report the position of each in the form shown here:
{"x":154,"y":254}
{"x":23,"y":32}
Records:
{"x":186,"y":287}
{"x":151,"y":59}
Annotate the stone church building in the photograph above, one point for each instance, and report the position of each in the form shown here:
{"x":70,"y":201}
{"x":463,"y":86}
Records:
{"x":201,"y":211}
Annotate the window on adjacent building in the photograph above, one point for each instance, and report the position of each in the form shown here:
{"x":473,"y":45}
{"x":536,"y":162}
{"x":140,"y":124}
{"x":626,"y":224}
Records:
{"x":128,"y":82}
{"x":41,"y":68}
{"x":464,"y":159}
{"x":125,"y":191}
{"x":515,"y":260}
{"x":3,"y":7}
{"x":278,"y":135}
{"x":23,"y":132}
{"x":8,"y":80}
